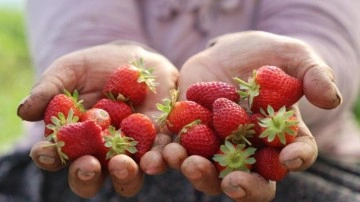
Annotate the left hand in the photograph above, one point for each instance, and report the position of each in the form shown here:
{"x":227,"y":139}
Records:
{"x":237,"y":55}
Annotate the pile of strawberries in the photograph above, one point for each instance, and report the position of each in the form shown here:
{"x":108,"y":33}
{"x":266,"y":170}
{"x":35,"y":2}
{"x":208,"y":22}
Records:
{"x":214,"y":122}
{"x":111,"y":126}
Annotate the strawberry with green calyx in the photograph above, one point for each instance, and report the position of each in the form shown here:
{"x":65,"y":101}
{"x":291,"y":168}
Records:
{"x":279,"y":128}
{"x":139,"y":127}
{"x":199,"y":139}
{"x":268,"y":164}
{"x":205,"y":93}
{"x":118,"y":110}
{"x":100,"y":116}
{"x":61,"y":104}
{"x":255,"y":140}
{"x":231,"y":121}
{"x":232,"y":157}
{"x":117,"y":142}
{"x":77,"y":139}
{"x":176,"y":114}
{"x":270,"y":85}
{"x":131,"y":82}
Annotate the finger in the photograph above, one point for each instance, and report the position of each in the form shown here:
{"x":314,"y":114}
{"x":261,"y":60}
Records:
{"x":320,"y":89}
{"x":45,"y":156}
{"x":126,"y":176}
{"x":242,"y":186}
{"x":202,"y":174}
{"x":152,"y":162}
{"x":85,"y":177}
{"x":302,"y":153}
{"x":174,"y":154}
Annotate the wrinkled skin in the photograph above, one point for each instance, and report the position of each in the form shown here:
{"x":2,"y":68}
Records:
{"x":230,"y":55}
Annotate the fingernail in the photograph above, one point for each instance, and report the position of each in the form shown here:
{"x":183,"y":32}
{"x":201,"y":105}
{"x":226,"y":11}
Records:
{"x":294,"y":163}
{"x":339,"y":99}
{"x":235,"y":191}
{"x":85,"y":175}
{"x":121,"y":174}
{"x":21,"y":104}
{"x":46,"y":160}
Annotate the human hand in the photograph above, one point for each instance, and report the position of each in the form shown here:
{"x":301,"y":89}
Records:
{"x":236,"y":55}
{"x":86,"y":71}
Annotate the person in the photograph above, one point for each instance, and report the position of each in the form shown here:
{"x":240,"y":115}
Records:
{"x":76,"y":46}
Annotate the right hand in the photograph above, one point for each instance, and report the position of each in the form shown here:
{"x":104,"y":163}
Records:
{"x":86,"y":71}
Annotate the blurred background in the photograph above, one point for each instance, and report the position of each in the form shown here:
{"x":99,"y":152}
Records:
{"x":16,"y":73}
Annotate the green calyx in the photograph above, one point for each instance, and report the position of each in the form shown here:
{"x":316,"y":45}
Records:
{"x":146,"y":74}
{"x":249,"y":89}
{"x":277,"y":124}
{"x":241,"y":134}
{"x":75,"y":99}
{"x":234,"y":157}
{"x":118,"y":143}
{"x":166,"y":107}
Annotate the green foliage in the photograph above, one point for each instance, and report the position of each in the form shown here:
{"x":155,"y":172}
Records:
{"x":16,"y":75}
{"x":357,"y":110}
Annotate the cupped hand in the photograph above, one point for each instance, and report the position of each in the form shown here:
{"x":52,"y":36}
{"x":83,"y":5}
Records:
{"x":86,"y":71}
{"x":236,"y":55}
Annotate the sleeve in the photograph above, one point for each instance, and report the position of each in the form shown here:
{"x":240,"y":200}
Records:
{"x":332,"y":28}
{"x":59,"y":27}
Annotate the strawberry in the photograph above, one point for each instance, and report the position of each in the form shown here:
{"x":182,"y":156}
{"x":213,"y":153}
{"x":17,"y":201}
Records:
{"x":278,"y":128}
{"x":118,"y":110}
{"x":176,"y":114}
{"x":255,"y":140}
{"x":231,"y":157}
{"x":59,"y":107}
{"x":268,"y":164}
{"x":231,"y":121}
{"x":199,"y":139}
{"x":139,"y":127}
{"x":77,"y":139}
{"x":100,"y":116}
{"x":205,"y":93}
{"x":270,"y":85}
{"x":131,"y":83}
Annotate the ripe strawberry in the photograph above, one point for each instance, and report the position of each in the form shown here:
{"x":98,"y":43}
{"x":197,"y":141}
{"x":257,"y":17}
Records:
{"x":205,"y":93}
{"x":130,"y":82}
{"x":100,"y":116}
{"x":77,"y":139}
{"x":59,"y":107}
{"x":199,"y":139}
{"x":278,"y":128}
{"x":118,"y":110}
{"x":255,"y":140}
{"x":270,"y":85}
{"x":233,"y":157}
{"x":268,"y":164}
{"x":141,"y":128}
{"x":177,"y":114}
{"x":231,"y":121}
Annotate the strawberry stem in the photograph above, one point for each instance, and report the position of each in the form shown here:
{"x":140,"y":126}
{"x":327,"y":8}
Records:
{"x":146,"y":74}
{"x":248,"y":89}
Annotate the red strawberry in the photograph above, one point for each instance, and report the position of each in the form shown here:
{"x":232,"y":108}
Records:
{"x":268,"y":164}
{"x":59,"y":107}
{"x":205,"y":93}
{"x":177,"y":114}
{"x":270,"y":85}
{"x":141,"y":128}
{"x":231,"y":121}
{"x":131,"y":82}
{"x":118,"y":110}
{"x":100,"y":116}
{"x":199,"y":139}
{"x":255,"y":140}
{"x":77,"y":139}
{"x":278,"y":128}
{"x":233,"y":157}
